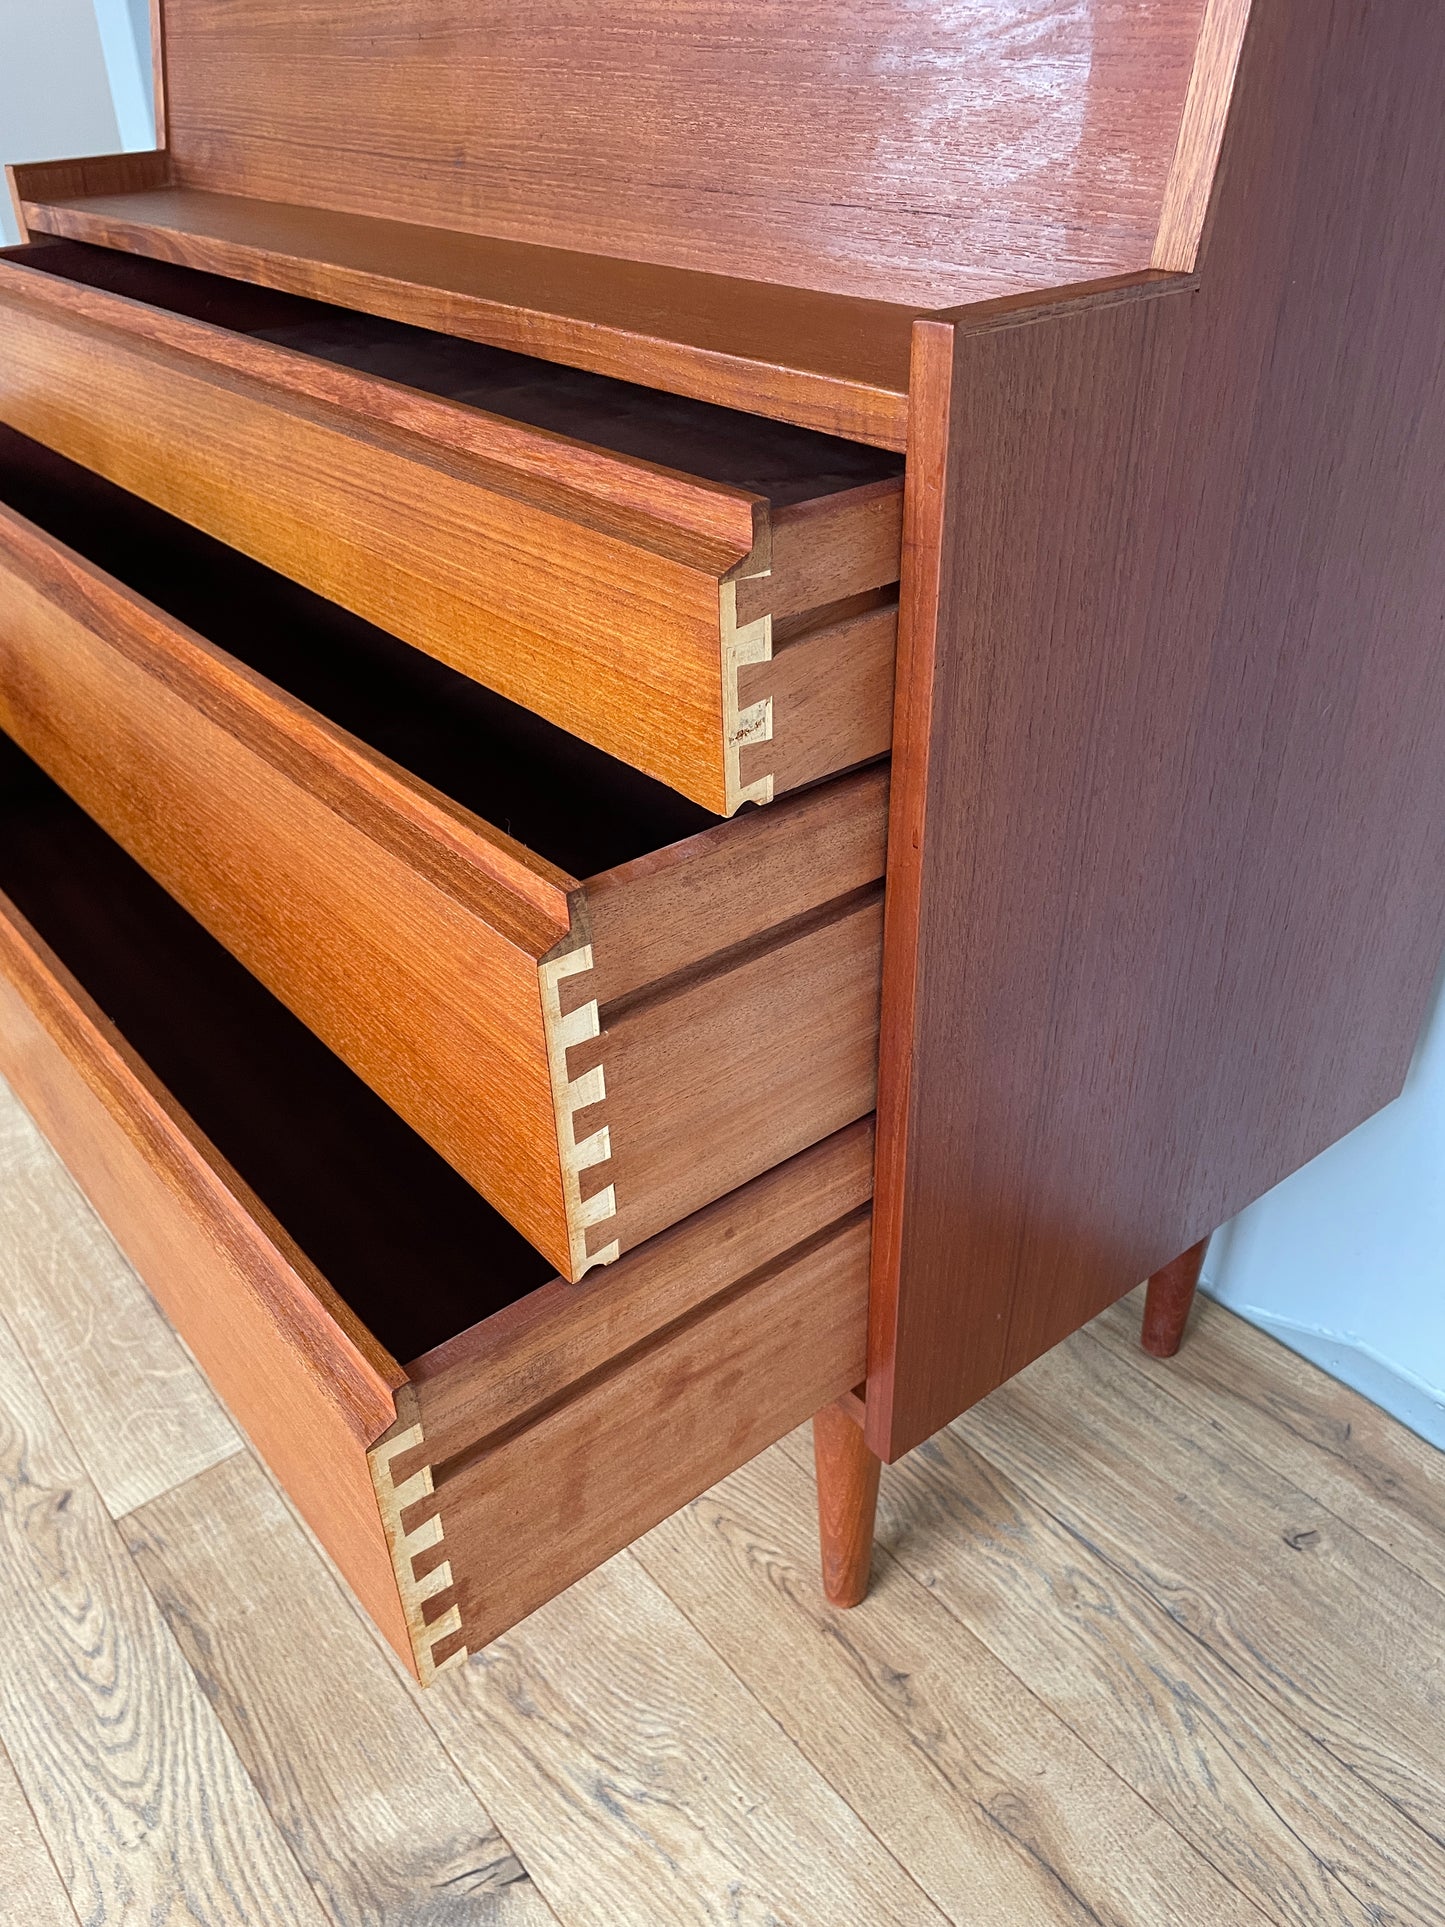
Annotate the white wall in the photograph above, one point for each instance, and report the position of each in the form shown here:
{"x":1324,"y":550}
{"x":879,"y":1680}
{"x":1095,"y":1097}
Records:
{"x":74,"y":79}
{"x":1345,"y":1261}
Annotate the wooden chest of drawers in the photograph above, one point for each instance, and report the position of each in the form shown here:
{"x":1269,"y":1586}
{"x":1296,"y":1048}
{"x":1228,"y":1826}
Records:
{"x":548,"y":676}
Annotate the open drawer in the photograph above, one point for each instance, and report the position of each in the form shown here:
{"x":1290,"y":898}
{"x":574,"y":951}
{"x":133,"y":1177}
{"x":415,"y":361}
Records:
{"x":303,"y":1240}
{"x":397,"y":853}
{"x":703,"y":594}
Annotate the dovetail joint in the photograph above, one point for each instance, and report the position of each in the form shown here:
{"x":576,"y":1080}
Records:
{"x":743,"y":726}
{"x":407,"y":1547}
{"x":573,"y":1094}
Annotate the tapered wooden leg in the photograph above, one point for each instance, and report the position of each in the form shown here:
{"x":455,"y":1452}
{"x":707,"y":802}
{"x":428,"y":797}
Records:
{"x":847,"y":1502}
{"x":1167,"y":1300}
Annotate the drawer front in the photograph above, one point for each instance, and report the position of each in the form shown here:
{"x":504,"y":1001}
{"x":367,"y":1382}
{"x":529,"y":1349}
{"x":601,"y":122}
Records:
{"x":621,"y":602}
{"x":441,"y":961}
{"x":458,"y":1493}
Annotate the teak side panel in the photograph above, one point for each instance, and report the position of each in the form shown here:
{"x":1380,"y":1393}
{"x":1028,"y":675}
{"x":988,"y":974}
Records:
{"x":918,"y":155}
{"x":309,"y":1385}
{"x":626,"y":1446}
{"x":616,"y":645}
{"x":1168,"y":871}
{"x":219,"y":787}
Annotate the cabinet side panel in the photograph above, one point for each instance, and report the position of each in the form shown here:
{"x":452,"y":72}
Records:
{"x":1178,"y":861}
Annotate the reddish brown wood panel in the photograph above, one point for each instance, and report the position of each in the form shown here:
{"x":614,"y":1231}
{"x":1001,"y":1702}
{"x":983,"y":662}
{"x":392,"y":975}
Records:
{"x":1167,"y":862}
{"x":310,"y":1385}
{"x":847,"y":1475}
{"x":924,"y":155}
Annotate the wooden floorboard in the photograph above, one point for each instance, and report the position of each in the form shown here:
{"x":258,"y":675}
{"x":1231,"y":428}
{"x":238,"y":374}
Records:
{"x":1273,"y":1810}
{"x":1328,"y":1628}
{"x":33,"y":1890}
{"x":1148,"y":1644}
{"x":140,"y":1415}
{"x":1324,"y":1437}
{"x":999,"y":1809}
{"x":142,"y":1802}
{"x":383,"y":1824}
{"x":641,"y":1781}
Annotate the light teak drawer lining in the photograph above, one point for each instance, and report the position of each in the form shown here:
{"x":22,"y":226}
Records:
{"x":439,"y":959}
{"x":545,"y":570}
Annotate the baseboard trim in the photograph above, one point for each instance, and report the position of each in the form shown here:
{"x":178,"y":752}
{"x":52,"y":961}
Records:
{"x":1412,"y":1401}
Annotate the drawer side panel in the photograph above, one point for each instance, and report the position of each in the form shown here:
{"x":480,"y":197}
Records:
{"x":619,"y":646}
{"x":437,"y":1010}
{"x":308,"y":1385}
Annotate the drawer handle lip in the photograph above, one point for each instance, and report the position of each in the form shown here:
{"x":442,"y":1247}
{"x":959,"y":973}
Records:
{"x":447,"y":1469}
{"x":477,"y":865}
{"x":714,"y":527}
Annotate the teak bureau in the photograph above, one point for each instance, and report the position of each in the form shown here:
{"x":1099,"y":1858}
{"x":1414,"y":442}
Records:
{"x":679,"y":754}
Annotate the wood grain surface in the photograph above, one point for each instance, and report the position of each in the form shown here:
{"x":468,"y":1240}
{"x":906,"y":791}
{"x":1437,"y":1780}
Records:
{"x":541,"y":548}
{"x":524,"y":1357}
{"x":372,"y":907}
{"x":536,"y":1505}
{"x":308,"y":1383}
{"x":847,"y":1478}
{"x":112,"y":1367}
{"x":640,"y":1780}
{"x":372,"y":1808}
{"x":669,"y":910}
{"x":1381,"y":1480}
{"x":186,"y":1835}
{"x":715,"y":1077}
{"x":998,"y":1809}
{"x":981,"y":1717}
{"x":939,"y":156}
{"x":405,"y":930}
{"x":1253,"y":1595}
{"x":620,"y":648}
{"x":1166,"y":884}
{"x":823,"y":361}
{"x":32,"y":1882}
{"x":1247,"y":1781}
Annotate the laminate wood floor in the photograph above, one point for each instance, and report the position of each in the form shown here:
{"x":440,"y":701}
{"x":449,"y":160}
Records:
{"x":1147,"y":1645}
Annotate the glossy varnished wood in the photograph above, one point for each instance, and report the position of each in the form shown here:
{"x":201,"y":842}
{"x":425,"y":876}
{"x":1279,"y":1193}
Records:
{"x":1168,"y":1301}
{"x":596,"y":1078}
{"x":847,"y":1474}
{"x":1184,"y":760}
{"x":825,"y":361}
{"x":774,"y":266}
{"x":612,"y":591}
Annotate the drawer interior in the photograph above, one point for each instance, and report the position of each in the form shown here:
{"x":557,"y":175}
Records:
{"x":412,"y":1248}
{"x":511,"y":767}
{"x":782,"y":463}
